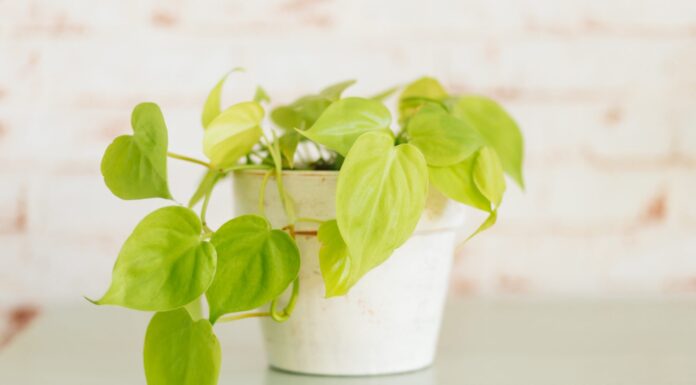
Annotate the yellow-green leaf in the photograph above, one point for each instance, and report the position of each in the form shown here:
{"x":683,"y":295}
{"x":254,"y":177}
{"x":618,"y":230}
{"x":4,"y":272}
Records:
{"x":334,"y":91}
{"x":498,"y":128}
{"x":207,"y":183}
{"x":233,"y":133}
{"x":288,"y":145}
{"x":261,"y":96}
{"x":164,"y":264}
{"x":345,"y":120}
{"x":181,"y":351}
{"x":301,"y":114}
{"x":338,"y":269}
{"x":418,"y":93}
{"x":255,"y":265}
{"x":488,"y":175}
{"x":457,"y":182}
{"x":212,"y":108}
{"x":135,"y":166}
{"x":380,"y":196}
{"x":490,"y":221}
{"x":443,"y":139}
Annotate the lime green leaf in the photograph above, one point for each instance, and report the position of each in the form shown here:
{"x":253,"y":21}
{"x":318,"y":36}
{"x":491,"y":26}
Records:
{"x":135,"y":166}
{"x":255,"y":265}
{"x":498,"y":128}
{"x":304,"y":112}
{"x":209,"y":181}
{"x":301,"y":114}
{"x":384,"y":95}
{"x":380,"y":196}
{"x":286,"y":117}
{"x":288,"y":145}
{"x":261,"y":95}
{"x":164,"y":264}
{"x":309,"y":109}
{"x":233,"y":134}
{"x":418,"y":93}
{"x":337,"y":268}
{"x":212,"y":108}
{"x":443,"y":139}
{"x":345,"y":120}
{"x":457,"y":182}
{"x":334,"y":91}
{"x":490,"y":221}
{"x":179,"y":351}
{"x":488,"y":175}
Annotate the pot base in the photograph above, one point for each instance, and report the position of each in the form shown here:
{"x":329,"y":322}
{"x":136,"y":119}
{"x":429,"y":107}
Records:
{"x":339,"y":375}
{"x":387,"y":324}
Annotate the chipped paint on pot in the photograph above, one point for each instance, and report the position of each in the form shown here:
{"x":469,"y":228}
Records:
{"x":390,"y":320}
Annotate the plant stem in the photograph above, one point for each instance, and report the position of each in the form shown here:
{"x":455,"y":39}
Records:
{"x":204,"y":208}
{"x":262,"y":193}
{"x":274,"y":150}
{"x":189,"y":159}
{"x":206,"y":200}
{"x":243,"y":316}
{"x":246,"y":167}
{"x":287,"y":312}
{"x":287,"y":204}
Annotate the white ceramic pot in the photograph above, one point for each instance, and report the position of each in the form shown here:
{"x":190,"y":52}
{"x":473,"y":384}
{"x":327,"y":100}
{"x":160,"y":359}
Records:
{"x":390,"y":320}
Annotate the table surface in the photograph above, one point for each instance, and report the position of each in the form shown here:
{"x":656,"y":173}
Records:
{"x":501,"y":341}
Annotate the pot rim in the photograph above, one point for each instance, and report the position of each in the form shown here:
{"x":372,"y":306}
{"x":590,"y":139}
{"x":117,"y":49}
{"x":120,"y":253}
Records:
{"x":314,"y":173}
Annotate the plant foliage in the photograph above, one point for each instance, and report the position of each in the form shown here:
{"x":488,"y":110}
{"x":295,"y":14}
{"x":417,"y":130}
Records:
{"x":461,"y":145}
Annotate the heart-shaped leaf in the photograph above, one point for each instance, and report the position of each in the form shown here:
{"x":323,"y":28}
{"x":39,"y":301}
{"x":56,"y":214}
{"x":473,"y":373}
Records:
{"x":261,"y":96}
{"x":345,"y":120}
{"x":443,"y":139}
{"x":135,"y":166}
{"x":233,"y":133}
{"x":212,"y":108}
{"x":334,"y":91}
{"x":497,"y":127}
{"x":288,"y":145}
{"x":338,"y":269}
{"x":384,"y":95}
{"x":164,"y":264}
{"x":255,"y":265}
{"x":301,"y":114}
{"x":478,"y":181}
{"x":457,"y":182}
{"x":380,"y":196}
{"x":488,"y":175}
{"x":417,"y":94}
{"x":179,"y":351}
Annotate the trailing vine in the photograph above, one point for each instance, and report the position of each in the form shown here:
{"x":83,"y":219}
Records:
{"x":174,"y":262}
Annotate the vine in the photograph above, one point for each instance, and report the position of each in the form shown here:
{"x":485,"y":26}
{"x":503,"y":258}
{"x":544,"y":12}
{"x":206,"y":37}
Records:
{"x":174,"y":262}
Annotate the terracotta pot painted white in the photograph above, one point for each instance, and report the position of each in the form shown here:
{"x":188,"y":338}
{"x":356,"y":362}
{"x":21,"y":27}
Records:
{"x":390,"y":320}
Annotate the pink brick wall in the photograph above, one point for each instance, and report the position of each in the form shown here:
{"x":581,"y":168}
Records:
{"x":605,"y":93}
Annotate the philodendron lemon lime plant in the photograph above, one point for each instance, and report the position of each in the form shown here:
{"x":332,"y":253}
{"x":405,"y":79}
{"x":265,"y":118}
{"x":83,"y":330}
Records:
{"x":460,"y":146}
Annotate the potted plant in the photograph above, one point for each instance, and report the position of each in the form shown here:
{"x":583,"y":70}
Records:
{"x":343,"y":235}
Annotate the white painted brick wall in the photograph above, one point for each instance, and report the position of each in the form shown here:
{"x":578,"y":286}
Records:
{"x":605,"y":92}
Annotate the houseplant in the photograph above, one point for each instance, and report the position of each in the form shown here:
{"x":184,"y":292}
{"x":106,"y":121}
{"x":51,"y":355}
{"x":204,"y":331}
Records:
{"x":322,"y":145}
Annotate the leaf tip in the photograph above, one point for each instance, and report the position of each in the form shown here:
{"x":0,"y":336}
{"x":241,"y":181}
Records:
{"x":92,"y":301}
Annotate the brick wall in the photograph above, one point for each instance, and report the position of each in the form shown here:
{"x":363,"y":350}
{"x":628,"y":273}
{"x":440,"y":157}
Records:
{"x":605,"y":92}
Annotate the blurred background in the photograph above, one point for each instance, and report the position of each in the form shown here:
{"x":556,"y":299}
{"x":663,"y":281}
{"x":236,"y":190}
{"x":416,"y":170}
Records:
{"x":604,"y":91}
